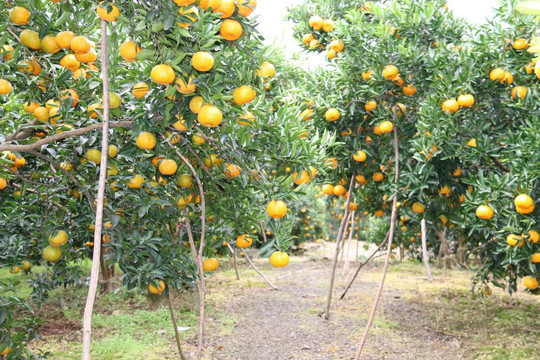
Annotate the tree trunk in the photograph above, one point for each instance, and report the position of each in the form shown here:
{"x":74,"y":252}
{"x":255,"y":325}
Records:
{"x":108,"y":281}
{"x":336,"y":254}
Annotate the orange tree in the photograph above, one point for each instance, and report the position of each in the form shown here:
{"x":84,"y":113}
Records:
{"x":196,"y":117}
{"x":462,"y":99}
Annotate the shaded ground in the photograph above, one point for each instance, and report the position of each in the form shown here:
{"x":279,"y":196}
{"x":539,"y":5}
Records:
{"x":247,"y":320}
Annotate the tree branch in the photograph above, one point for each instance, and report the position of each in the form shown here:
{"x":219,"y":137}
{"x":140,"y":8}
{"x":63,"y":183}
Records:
{"x":63,"y":135}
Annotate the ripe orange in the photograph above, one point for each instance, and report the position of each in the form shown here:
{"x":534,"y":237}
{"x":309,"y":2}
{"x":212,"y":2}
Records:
{"x":316,"y":22}
{"x":70,"y":62}
{"x":210,"y":264}
{"x":191,"y":13}
{"x":534,"y":236}
{"x":418,"y":207}
{"x":70,"y":96}
{"x":185,"y":88}
{"x":370,"y":105}
{"x":328,"y":189}
{"x":471,"y":143}
{"x":59,"y":239}
{"x":302,"y":178}
{"x":386,"y":127}
{"x":520,"y":44}
{"x":41,"y":113}
{"x":88,"y":57}
{"x":202,"y":61}
{"x":484,"y":212}
{"x":519,"y":91}
{"x":7,"y":52}
{"x":49,"y":45}
{"x":140,"y":90}
{"x":19,"y":15}
{"x":408,"y":90}
{"x":247,"y":119}
{"x":497,"y":74}
{"x":339,"y":190}
{"x":162,"y":74}
{"x":210,"y":116}
{"x":450,"y":106}
{"x":5,"y":87}
{"x":91,"y":110}
{"x":129,"y":51}
{"x":524,"y":204}
{"x":94,"y":155}
{"x":486,"y":290}
{"x":244,"y":241}
{"x":378,"y":176}
{"x":25,"y":265}
{"x":514,"y":239}
{"x":360,"y":156}
{"x":167,"y":167}
{"x":51,"y":253}
{"x":266,"y":71}
{"x":232,"y":170}
{"x":378,"y":213}
{"x":465,"y":100}
{"x":63,"y":39}
{"x":367,"y":75}
{"x":146,"y":140}
{"x":530,"y":282}
{"x":135,"y":182}
{"x":276,"y":209}
{"x":328,"y":25}
{"x":246,"y":7}
{"x":80,"y":44}
{"x":445,"y":190}
{"x":157,"y":290}
{"x":108,"y":11}
{"x":332,"y":114}
{"x":307,"y":38}
{"x":244,"y":95}
{"x":231,"y":30}
{"x":3,"y":183}
{"x":279,"y":259}
{"x":30,"y":39}
{"x":390,"y":72}
{"x":535,"y":259}
{"x":226,"y":8}
{"x":337,"y":45}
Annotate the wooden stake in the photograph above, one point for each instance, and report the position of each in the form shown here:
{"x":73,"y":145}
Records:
{"x":390,"y":238}
{"x":424,"y":250}
{"x":94,"y":274}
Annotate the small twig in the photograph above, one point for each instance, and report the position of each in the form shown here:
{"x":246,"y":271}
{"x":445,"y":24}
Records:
{"x":54,"y":164}
{"x":499,"y":164}
{"x":258,"y":272}
{"x":263,"y":231}
{"x":299,"y":271}
{"x":372,"y":256}
{"x":13,"y":34}
{"x":25,"y":180}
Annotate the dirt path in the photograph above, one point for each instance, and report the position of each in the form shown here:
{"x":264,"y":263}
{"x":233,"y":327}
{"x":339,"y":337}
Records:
{"x":285,"y":324}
